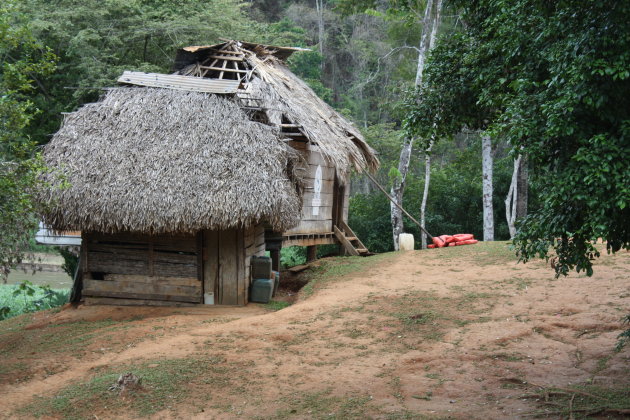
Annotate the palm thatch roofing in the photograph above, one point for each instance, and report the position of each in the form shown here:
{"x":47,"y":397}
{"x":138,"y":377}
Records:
{"x":172,"y":159}
{"x":159,"y":160}
{"x":283,"y":95}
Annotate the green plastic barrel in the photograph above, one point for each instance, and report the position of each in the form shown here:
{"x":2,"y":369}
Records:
{"x":261,"y":290}
{"x":261,"y":268}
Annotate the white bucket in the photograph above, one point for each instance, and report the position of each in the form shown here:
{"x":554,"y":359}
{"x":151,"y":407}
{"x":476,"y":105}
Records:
{"x":208,"y":298}
{"x":405,"y":242}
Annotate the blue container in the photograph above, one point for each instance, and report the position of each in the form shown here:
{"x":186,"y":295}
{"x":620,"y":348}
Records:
{"x":261,"y":290}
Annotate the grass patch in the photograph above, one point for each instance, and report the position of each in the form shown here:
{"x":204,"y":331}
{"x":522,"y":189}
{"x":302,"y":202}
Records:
{"x":419,"y":317}
{"x":14,"y":324}
{"x":70,"y":338}
{"x":337,"y":268}
{"x":321,"y":405}
{"x":163,"y":383}
{"x":483,"y":253}
{"x":276,"y":305}
{"x":583,"y":401}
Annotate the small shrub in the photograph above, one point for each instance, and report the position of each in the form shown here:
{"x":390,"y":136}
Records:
{"x":276,"y":305}
{"x":71,"y":261}
{"x":292,"y":256}
{"x":624,"y":337}
{"x":27,"y":297}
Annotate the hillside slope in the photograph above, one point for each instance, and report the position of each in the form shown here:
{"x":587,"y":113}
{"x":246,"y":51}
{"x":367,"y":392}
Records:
{"x":462,"y":332}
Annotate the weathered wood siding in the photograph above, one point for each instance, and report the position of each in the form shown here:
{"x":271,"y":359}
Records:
{"x":321,"y":222}
{"x":134,"y":266}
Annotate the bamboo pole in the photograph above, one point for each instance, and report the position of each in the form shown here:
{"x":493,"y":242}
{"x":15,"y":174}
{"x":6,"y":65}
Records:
{"x":397,"y":205}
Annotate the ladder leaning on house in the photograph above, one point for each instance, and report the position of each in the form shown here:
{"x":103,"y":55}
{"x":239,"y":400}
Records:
{"x":351,"y":243}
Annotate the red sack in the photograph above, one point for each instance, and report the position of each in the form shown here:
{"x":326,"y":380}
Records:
{"x":453,"y":240}
{"x":466,"y":242}
{"x":439,"y":241}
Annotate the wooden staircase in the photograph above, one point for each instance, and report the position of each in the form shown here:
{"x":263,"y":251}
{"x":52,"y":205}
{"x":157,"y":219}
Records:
{"x":351,"y":243}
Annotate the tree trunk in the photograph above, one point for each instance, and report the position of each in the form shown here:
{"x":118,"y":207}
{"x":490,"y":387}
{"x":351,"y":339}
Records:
{"x":511,"y":199}
{"x":427,"y":153}
{"x":436,"y":24}
{"x":398,"y":187}
{"x":319,"y":6}
{"x":522,"y":188}
{"x":424,"y":42}
{"x":486,"y":162}
{"x":425,"y":193}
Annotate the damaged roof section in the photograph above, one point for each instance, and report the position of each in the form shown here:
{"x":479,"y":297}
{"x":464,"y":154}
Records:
{"x":174,"y":81}
{"x":274,"y":95}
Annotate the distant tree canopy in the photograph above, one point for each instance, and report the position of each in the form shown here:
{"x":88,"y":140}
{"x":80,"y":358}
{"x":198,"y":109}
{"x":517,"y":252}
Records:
{"x":550,"y":78}
{"x":22,"y":60}
{"x":96,"y":40}
{"x":553,"y":79}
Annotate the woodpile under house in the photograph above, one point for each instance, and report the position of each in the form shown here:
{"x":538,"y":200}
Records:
{"x":177,"y":180}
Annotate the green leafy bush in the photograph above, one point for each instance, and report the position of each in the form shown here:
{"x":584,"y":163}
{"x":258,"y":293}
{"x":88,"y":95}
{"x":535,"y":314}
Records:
{"x":27,"y":297}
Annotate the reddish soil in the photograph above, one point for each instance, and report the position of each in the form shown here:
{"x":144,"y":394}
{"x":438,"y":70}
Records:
{"x":456,"y":333}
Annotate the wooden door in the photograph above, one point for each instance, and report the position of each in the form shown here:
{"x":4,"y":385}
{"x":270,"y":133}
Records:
{"x":224,"y":266}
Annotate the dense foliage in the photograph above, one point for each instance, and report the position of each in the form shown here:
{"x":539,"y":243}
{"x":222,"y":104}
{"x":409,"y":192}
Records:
{"x":22,"y":60}
{"x":552,"y":78}
{"x":548,"y":79}
{"x":17,"y":299}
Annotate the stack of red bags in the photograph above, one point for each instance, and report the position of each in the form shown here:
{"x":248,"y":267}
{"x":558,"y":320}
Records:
{"x":453,"y":240}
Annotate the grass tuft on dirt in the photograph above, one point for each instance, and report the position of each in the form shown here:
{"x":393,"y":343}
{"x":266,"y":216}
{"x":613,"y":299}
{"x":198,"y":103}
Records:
{"x":276,"y":305}
{"x":163,"y":384}
{"x":583,"y":401}
{"x":338,"y":268}
{"x":322,"y":405}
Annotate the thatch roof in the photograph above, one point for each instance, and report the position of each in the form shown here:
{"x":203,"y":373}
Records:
{"x":283,"y":94}
{"x":159,"y":160}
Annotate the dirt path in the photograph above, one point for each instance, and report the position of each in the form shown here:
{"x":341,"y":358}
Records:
{"x":461,"y":333}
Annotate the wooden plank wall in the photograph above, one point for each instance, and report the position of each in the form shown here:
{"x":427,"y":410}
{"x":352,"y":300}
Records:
{"x":229,"y":276}
{"x":227,"y":256}
{"x":134,"y":266}
{"x":322,"y":222}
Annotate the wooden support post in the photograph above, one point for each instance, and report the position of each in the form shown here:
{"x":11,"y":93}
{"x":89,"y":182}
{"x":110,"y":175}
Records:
{"x":311,"y":253}
{"x":275,"y":259}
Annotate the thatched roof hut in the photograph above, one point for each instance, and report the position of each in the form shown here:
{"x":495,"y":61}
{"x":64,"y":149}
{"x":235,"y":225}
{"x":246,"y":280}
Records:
{"x":160,"y":160}
{"x":180,"y":180}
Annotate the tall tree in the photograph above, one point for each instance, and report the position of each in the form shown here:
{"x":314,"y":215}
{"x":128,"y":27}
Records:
{"x":22,"y":61}
{"x":487,"y":166}
{"x":429,"y":149}
{"x":512,"y":198}
{"x":562,"y":97}
{"x":319,"y":6}
{"x":96,"y":40}
{"x":400,"y":180}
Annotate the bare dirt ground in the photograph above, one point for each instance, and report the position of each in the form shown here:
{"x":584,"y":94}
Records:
{"x":462,"y":332}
